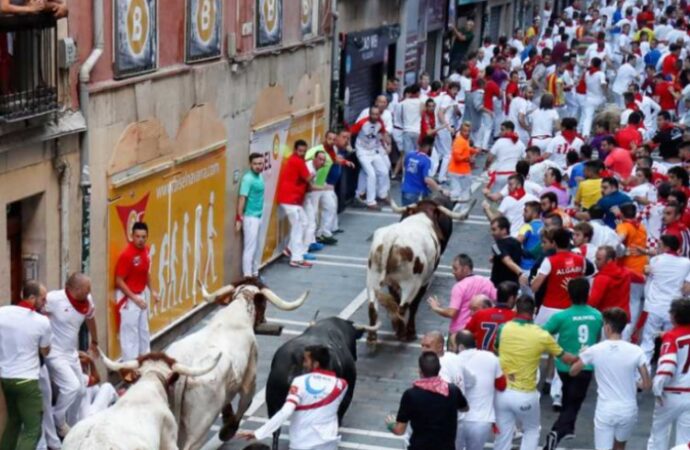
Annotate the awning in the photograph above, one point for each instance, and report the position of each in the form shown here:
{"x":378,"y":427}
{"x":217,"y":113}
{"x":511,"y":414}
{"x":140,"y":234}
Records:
{"x":66,"y":123}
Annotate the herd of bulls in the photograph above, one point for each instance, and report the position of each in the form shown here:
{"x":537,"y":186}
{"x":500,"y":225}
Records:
{"x":180,"y":393}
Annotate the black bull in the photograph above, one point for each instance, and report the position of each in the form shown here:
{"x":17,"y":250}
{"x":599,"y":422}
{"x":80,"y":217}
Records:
{"x":443,"y":228}
{"x":339,"y":336}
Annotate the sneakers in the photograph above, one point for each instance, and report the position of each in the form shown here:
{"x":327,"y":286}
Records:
{"x":551,"y":441}
{"x":373,"y":207}
{"x":338,"y":231}
{"x":315,"y":247}
{"x":326,"y":240}
{"x":309,"y":257}
{"x":557,"y":403}
{"x":301,"y":264}
{"x":287,"y":253}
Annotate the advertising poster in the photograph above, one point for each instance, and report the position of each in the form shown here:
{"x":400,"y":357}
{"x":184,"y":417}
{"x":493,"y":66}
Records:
{"x":308,"y":18}
{"x":135,"y":36}
{"x":269,"y":27}
{"x":270,"y":141}
{"x":204,"y":29}
{"x":183,"y":206}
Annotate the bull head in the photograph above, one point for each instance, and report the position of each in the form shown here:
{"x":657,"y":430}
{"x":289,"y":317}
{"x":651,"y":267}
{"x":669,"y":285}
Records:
{"x":412,"y":209}
{"x":229,"y":290}
{"x":147,"y":363}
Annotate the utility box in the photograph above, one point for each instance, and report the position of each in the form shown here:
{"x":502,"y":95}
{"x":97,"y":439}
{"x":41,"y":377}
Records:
{"x":67,"y":53}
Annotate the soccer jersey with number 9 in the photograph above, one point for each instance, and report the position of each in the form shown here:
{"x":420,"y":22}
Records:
{"x":577,"y":327}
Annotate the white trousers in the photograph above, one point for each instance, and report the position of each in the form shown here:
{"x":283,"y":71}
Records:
{"x":589,"y":110}
{"x":49,"y":437}
{"x":441,"y":155}
{"x":609,"y":427}
{"x":376,"y":172}
{"x":298,"y":225}
{"x":473,"y":435}
{"x":65,"y":372}
{"x":460,"y":187}
{"x":636,"y":295}
{"x":311,"y":209}
{"x":653,"y":327}
{"x":250,"y":250}
{"x":515,"y":407}
{"x":97,"y":399}
{"x":329,"y":214}
{"x":676,"y":409}
{"x":135,"y":338}
{"x":486,"y":131}
{"x":542,"y":143}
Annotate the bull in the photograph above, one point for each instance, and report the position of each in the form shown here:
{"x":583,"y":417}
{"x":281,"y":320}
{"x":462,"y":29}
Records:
{"x":197,"y":402}
{"x":340,"y":336}
{"x":402,"y":260}
{"x":141,"y":419}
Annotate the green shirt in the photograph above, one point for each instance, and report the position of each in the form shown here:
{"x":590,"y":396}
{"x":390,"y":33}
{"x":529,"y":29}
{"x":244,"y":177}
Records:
{"x":252,"y":187}
{"x":322,"y":173}
{"x":576,"y":327}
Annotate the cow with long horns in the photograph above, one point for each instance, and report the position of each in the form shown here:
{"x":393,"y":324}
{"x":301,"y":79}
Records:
{"x":340,"y":336}
{"x":141,"y":419}
{"x":402,"y":259}
{"x":197,"y":402}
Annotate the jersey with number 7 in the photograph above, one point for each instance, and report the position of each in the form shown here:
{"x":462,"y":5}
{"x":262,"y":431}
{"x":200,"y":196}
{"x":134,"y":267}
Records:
{"x":577,"y":327}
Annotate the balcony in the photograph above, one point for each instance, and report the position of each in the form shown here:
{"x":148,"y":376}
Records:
{"x":28,"y":67}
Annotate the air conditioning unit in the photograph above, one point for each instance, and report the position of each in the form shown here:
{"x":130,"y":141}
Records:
{"x":231,"y":45}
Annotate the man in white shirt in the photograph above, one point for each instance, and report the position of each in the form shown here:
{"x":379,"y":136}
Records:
{"x":312,"y":404}
{"x":452,"y":369}
{"x":504,"y":154}
{"x":625,"y":75}
{"x":483,"y":366}
{"x":617,"y":364}
{"x":24,"y":334}
{"x":512,"y":205}
{"x":538,"y":166}
{"x":668,"y":278}
{"x":67,"y":310}
{"x":370,"y":147}
{"x":411,"y":116}
{"x":447,"y":110}
{"x":567,"y":140}
{"x":602,"y":234}
{"x":595,"y":82}
{"x":520,"y":108}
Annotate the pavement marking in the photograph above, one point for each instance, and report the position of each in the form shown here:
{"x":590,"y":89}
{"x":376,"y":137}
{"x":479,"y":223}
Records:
{"x":364,"y":266}
{"x":300,"y":323}
{"x":359,"y":258}
{"x":395,"y":343}
{"x":346,"y":430}
{"x":383,"y":214}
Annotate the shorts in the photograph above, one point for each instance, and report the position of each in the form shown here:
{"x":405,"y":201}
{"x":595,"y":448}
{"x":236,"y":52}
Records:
{"x":609,"y":426}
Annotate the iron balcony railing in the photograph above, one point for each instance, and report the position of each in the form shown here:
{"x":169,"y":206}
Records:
{"x":28,"y":67}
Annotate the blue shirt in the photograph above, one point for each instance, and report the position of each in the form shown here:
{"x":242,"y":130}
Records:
{"x":531,"y":246}
{"x":417,"y":166}
{"x":336,"y":170}
{"x":609,"y":201}
{"x":652,"y":57}
{"x":578,"y":171}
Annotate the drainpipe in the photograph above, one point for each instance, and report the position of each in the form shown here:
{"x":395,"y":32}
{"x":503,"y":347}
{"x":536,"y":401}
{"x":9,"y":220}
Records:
{"x":64,"y":171}
{"x":85,"y":176}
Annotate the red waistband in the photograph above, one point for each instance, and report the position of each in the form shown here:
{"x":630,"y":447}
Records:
{"x":677,"y":389}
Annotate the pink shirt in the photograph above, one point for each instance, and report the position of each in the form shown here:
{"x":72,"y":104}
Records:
{"x":620,"y":162}
{"x":461,"y":295}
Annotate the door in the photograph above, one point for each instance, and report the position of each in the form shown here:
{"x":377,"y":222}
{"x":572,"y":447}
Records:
{"x":14,"y":244}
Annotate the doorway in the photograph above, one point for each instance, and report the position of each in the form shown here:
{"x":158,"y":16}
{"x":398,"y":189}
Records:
{"x":14,"y":245}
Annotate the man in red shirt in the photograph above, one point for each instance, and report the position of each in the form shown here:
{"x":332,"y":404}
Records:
{"x":665,"y":94}
{"x":673,"y":225}
{"x":629,"y":137}
{"x":485,"y":322}
{"x":669,"y":67}
{"x":611,"y":284}
{"x":491,"y":92}
{"x":131,"y":282}
{"x":618,"y":160}
{"x":292,"y":188}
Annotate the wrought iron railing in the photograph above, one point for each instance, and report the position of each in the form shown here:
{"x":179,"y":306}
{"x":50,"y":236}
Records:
{"x":28,"y":67}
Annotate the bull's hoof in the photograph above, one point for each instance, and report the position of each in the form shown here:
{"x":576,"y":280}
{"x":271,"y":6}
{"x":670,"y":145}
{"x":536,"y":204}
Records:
{"x":228,"y":430}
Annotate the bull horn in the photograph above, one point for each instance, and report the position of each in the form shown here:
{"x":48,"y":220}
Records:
{"x":282,"y":304}
{"x":400,"y":209}
{"x":117,"y":366}
{"x":457,"y":215}
{"x":362,"y":327}
{"x":195,"y":371}
{"x":312,"y":322}
{"x":211,"y":297}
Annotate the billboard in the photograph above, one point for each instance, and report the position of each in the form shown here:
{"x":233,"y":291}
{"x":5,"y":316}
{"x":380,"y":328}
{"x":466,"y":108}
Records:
{"x":204,"y":29}
{"x":269,"y":27}
{"x":135,"y":36}
{"x":184,"y":206}
{"x":309,"y":18}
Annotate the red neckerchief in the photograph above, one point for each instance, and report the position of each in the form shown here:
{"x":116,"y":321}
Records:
{"x":583,"y":249}
{"x":433,"y":384}
{"x":324,"y":372}
{"x":81,"y":307}
{"x":511,"y":135}
{"x":517,"y":194}
{"x":601,"y":46}
{"x":592,"y":70}
{"x":569,"y":135}
{"x":632,"y":106}
{"x":557,"y":186}
{"x":671,"y":252}
{"x":27,"y":305}
{"x":668,"y":126}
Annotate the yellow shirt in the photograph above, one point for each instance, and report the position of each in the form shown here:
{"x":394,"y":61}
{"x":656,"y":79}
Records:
{"x":520,"y":344}
{"x":588,"y":192}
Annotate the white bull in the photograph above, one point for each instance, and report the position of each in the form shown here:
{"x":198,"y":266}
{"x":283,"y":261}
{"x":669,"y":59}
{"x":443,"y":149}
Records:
{"x":141,"y":419}
{"x":402,"y":259}
{"x":197,"y":402}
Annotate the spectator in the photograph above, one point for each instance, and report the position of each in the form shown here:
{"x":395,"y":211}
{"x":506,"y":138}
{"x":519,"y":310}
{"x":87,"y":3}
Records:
{"x":485,"y":323}
{"x":633,"y":235}
{"x":616,"y":365}
{"x":611,"y":283}
{"x":618,"y":160}
{"x":630,"y":137}
{"x":506,"y":253}
{"x":417,"y":181}
{"x":512,"y":206}
{"x":460,"y":167}
{"x":312,"y":200}
{"x":611,"y":199}
{"x":292,"y":188}
{"x":371,"y":135}
{"x":452,"y":370}
{"x":467,"y":286}
{"x":589,"y":189}
{"x":250,"y":207}
{"x":24,"y":334}
{"x":431,"y":407}
{"x":553,"y":179}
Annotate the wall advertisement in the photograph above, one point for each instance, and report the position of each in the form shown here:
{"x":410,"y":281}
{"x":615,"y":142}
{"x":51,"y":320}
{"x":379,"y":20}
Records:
{"x":135,"y":36}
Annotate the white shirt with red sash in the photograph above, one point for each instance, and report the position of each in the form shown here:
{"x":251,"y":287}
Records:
{"x":314,"y":399}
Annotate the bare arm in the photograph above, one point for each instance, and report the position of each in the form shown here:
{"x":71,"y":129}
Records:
{"x":537,"y":282}
{"x":93,"y":334}
{"x":436,"y":307}
{"x":576,"y":368}
{"x":121,"y":285}
{"x":646,"y":382}
{"x":32,"y":7}
{"x":45,"y":351}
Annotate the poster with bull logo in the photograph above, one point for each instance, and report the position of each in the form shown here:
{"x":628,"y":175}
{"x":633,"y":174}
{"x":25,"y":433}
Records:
{"x":204,"y":29}
{"x":309,"y":18}
{"x":183,"y":206}
{"x":135,"y":36}
{"x":271,"y":141}
{"x":269,"y":29}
